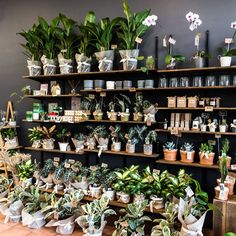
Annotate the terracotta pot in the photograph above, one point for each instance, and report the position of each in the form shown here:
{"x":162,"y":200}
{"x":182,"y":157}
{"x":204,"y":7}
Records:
{"x":228,"y":161}
{"x":187,"y":157}
{"x":170,"y":155}
{"x":221,"y":195}
{"x":207,"y":160}
{"x":229,"y":183}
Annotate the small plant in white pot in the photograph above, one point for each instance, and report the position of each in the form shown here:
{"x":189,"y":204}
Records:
{"x":132,"y":140}
{"x":149,"y":111}
{"x":170,"y":151}
{"x":138,"y":107}
{"x":206,"y":154}
{"x":35,"y":137}
{"x":187,"y":153}
{"x":93,"y":220}
{"x":148,"y":146}
{"x":79,"y":141}
{"x":48,"y":133}
{"x":212,"y":125}
{"x":223,"y":127}
{"x":47,"y":173}
{"x":63,"y":136}
{"x":117,"y":135}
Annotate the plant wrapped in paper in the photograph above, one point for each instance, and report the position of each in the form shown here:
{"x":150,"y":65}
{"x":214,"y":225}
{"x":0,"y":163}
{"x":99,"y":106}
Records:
{"x":10,"y":138}
{"x":86,"y":106}
{"x":131,"y":29}
{"x":48,"y":141}
{"x":48,"y":35}
{"x":132,"y":139}
{"x":33,"y":49}
{"x":166,"y":225}
{"x":47,"y":173}
{"x":5,"y":185}
{"x":117,"y":135}
{"x":64,"y":211}
{"x":133,"y":222}
{"x":103,"y":34}
{"x":93,"y":221}
{"x":35,"y":135}
{"x":90,"y":140}
{"x":149,"y":111}
{"x":68,"y":42}
{"x":79,"y":142}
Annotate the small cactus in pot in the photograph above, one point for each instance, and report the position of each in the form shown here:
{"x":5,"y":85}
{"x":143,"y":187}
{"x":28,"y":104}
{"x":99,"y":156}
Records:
{"x":170,"y":151}
{"x":187,"y":152}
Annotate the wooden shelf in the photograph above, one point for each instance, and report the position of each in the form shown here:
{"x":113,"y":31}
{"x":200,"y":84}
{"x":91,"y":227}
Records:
{"x":196,"y":88}
{"x":197,"y":108}
{"x":132,"y":90}
{"x":111,"y":203}
{"x":52,"y":151}
{"x":51,"y":96}
{"x":15,"y":148}
{"x":9,"y":127}
{"x":179,"y":163}
{"x":197,"y":132}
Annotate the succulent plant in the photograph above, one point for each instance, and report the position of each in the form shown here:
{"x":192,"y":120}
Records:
{"x":206,"y":148}
{"x":169,"y":146}
{"x":187,"y":147}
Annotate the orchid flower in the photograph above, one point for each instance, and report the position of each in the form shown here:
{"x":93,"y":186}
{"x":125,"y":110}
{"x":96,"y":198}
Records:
{"x":194,"y":20}
{"x":150,"y":20}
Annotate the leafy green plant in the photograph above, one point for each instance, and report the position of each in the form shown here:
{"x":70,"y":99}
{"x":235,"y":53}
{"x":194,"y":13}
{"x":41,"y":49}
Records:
{"x":132,"y":135}
{"x":9,"y":133}
{"x":151,"y":137}
{"x":97,"y":174}
{"x":133,"y":222}
{"x":169,"y":146}
{"x":35,"y":134}
{"x":25,"y":170}
{"x":225,"y":146}
{"x":122,"y":101}
{"x":48,"y":167}
{"x":176,"y":58}
{"x":117,"y":134}
{"x":80,"y":136}
{"x":187,"y":147}
{"x":63,"y":135}
{"x":100,"y":132}
{"x":206,"y":148}
{"x":138,"y":104}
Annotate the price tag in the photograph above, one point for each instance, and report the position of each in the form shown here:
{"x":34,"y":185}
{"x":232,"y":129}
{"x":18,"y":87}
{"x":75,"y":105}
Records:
{"x":189,"y":155}
{"x":104,"y":165}
{"x":56,"y":164}
{"x":223,"y":113}
{"x":103,"y":94}
{"x":56,"y":159}
{"x":71,"y":161}
{"x":172,"y":41}
{"x":132,"y":89}
{"x":92,"y":96}
{"x":218,"y":136}
{"x":138,"y":40}
{"x":149,"y":122}
{"x":189,"y":191}
{"x":98,"y":90}
{"x":164,"y":42}
{"x":156,"y":171}
{"x":209,"y":109}
{"x":102,"y":49}
{"x":233,"y":167}
{"x":229,"y":40}
{"x":174,"y":131}
{"x":113,"y":46}
{"x":67,"y":165}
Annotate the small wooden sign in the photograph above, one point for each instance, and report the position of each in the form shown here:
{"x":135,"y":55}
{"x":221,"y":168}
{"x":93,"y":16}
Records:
{"x":209,"y":108}
{"x":56,"y":159}
{"x":98,"y":90}
{"x":132,"y":89}
{"x":67,"y":165}
{"x":103,"y":94}
{"x":218,"y":136}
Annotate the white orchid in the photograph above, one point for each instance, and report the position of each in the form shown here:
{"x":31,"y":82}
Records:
{"x":194,"y":20}
{"x":233,"y":25}
{"x":150,"y":20}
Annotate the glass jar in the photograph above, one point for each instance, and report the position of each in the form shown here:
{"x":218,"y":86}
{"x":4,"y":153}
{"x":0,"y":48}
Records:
{"x":224,"y":80}
{"x":201,"y":102}
{"x":197,"y":81}
{"x":184,"y":82}
{"x":162,"y":82}
{"x":234,"y":80}
{"x":210,"y":81}
{"x":213,"y":102}
{"x":174,"y":82}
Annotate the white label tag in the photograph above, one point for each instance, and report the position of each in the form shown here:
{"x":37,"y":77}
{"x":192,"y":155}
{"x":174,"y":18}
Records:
{"x":197,"y":39}
{"x":189,"y":191}
{"x":64,"y":50}
{"x":209,"y":108}
{"x":71,"y":161}
{"x":67,"y":165}
{"x":104,"y":165}
{"x":189,"y":155}
{"x":172,"y":41}
{"x":56,"y":164}
{"x":113,"y":46}
{"x":233,"y":167}
{"x":229,"y":40}
{"x":164,"y":42}
{"x":138,"y":40}
{"x":103,"y":94}
{"x":56,"y":159}
{"x":156,"y":171}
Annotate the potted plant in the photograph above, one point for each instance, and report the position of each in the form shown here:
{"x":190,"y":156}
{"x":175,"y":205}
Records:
{"x":227,"y":54}
{"x":149,"y":111}
{"x":48,"y":141}
{"x":103,"y":33}
{"x":67,"y":43}
{"x":64,"y":212}
{"x":25,"y":172}
{"x":79,"y":141}
{"x":117,"y":135}
{"x":5,"y":185}
{"x":63,"y":135}
{"x":170,"y":151}
{"x":223,"y":127}
{"x":206,"y":154}
{"x":86,"y":47}
{"x":58,"y":176}
{"x":212,"y":125}
{"x":93,"y":220}
{"x":33,"y":49}
{"x":233,"y":126}
{"x":35,"y":137}
{"x":86,"y":106}
{"x":102,"y":136}
{"x":166,"y":225}
{"x":49,"y":40}
{"x":131,"y":29}
{"x":138,"y":107}
{"x":148,"y":146}
{"x":133,"y":222}
{"x":10,"y":137}
{"x":225,"y":150}
{"x":187,"y":153}
{"x":90,"y":139}
{"x":132,"y":140}
{"x":47,"y":173}
{"x":107,"y":181}
{"x":112,"y":113}
{"x":98,"y":113}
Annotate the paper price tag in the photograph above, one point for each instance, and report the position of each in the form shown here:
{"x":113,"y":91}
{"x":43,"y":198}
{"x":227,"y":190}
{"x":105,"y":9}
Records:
{"x":104,"y":165}
{"x":174,"y":131}
{"x":172,"y":41}
{"x":164,"y":42}
{"x":212,"y":142}
{"x":56,"y":159}
{"x":189,"y":191}
{"x":56,"y":164}
{"x":98,"y":90}
{"x":71,"y":161}
{"x":218,"y":136}
{"x":64,"y":50}
{"x":138,"y":40}
{"x":189,"y":155}
{"x":67,"y":165}
{"x":103,"y":94}
{"x":92,"y":96}
{"x":132,"y":89}
{"x":149,"y":122}
{"x":229,"y":40}
{"x":209,"y":108}
{"x":233,"y":167}
{"x":113,"y":46}
{"x":156,"y":171}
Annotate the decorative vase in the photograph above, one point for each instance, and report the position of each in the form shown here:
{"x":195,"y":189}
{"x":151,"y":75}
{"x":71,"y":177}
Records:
{"x":225,"y":61}
{"x":129,"y":59}
{"x":170,"y":155}
{"x":116,"y":146}
{"x":112,"y":115}
{"x":34,"y":67}
{"x":199,"y":62}
{"x":147,"y":149}
{"x":105,"y":60}
{"x":130,"y":148}
{"x":187,"y":157}
{"x":208,"y":159}
{"x":149,"y":83}
{"x":48,"y":144}
{"x":99,"y":84}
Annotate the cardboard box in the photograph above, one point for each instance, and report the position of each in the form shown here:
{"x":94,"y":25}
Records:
{"x":192,"y":102}
{"x":182,"y":102}
{"x":171,"y":102}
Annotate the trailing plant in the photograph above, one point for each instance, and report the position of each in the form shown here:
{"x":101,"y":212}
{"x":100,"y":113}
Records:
{"x":35,"y":134}
{"x":151,"y":137}
{"x":225,"y":147}
{"x":133,"y":222}
{"x":63,"y":135}
{"x":117,"y":134}
{"x":187,"y":147}
{"x":48,"y":132}
{"x":169,"y":146}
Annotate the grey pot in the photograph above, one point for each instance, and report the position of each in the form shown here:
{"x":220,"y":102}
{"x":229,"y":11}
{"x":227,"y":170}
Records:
{"x":88,"y":84}
{"x":140,"y":83}
{"x":127,"y":84}
{"x":199,"y":62}
{"x":149,"y":83}
{"x":119,"y":84}
{"x":99,"y":83}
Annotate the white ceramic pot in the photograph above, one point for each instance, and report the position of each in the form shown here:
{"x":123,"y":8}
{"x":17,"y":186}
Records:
{"x":110,"y":84}
{"x":95,"y":192}
{"x":63,"y":146}
{"x":212,"y":129}
{"x":147,"y":149}
{"x":225,"y":61}
{"x":223,"y":128}
{"x":116,"y":146}
{"x":35,"y":116}
{"x":130,"y":148}
{"x":203,"y":127}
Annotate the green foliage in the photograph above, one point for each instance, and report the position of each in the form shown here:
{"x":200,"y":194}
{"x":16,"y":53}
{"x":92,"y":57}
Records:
{"x":100,"y":131}
{"x":48,"y":132}
{"x":9,"y":133}
{"x":178,"y":58}
{"x":48,"y":167}
{"x":80,"y":136}
{"x":138,"y":104}
{"x":63,"y":135}
{"x":35,"y":134}
{"x":151,"y":137}
{"x":223,"y":167}
{"x":206,"y":148}
{"x":132,"y":135}
{"x":131,"y":27}
{"x":225,"y":146}
{"x":187,"y":147}
{"x":25,"y":170}
{"x":5,"y":183}
{"x":169,"y":146}
{"x":228,"y":53}
{"x":97,"y":174}
{"x":87,"y":103}
{"x":117,"y":133}
{"x":230,"y":234}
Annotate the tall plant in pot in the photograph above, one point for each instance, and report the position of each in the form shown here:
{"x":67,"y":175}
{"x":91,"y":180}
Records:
{"x":48,"y":141}
{"x":103,"y":33}
{"x":170,"y":151}
{"x":132,"y":139}
{"x":131,"y":29}
{"x":63,"y":136}
{"x":93,"y":220}
{"x":35,"y":137}
{"x":90,"y":139}
{"x":123,"y":102}
{"x":224,"y":151}
{"x":49,"y":38}
{"x":33,"y":49}
{"x":86,"y":47}
{"x":67,"y":43}
{"x":223,"y":127}
{"x":98,"y":109}
{"x":206,"y":154}
{"x":149,"y":139}
{"x":149,"y":110}
{"x":138,"y":107}
{"x":117,"y":135}
{"x":187,"y":152}
{"x":78,"y":141}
